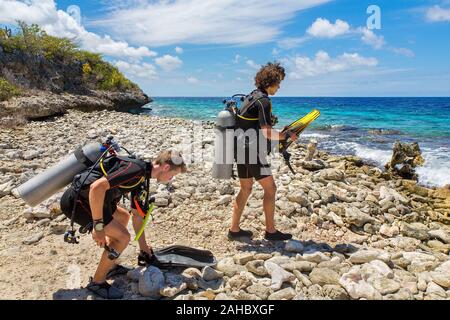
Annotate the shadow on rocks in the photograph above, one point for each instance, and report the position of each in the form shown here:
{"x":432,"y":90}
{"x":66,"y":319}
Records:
{"x":304,"y":246}
{"x":71,"y":294}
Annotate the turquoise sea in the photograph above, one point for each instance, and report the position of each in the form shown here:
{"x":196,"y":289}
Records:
{"x":345,"y":125}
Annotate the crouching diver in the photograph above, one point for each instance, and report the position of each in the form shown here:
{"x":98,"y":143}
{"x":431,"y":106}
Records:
{"x":251,"y":150}
{"x":95,"y":194}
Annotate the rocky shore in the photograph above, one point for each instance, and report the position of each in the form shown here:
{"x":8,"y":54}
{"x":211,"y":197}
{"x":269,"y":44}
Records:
{"x":360,"y":232}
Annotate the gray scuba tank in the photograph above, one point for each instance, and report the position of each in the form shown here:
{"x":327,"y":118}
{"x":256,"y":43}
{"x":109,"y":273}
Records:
{"x":44,"y":185}
{"x":224,"y":145}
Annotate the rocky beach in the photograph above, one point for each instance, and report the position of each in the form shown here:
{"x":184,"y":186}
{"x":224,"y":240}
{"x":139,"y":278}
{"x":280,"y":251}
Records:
{"x":359,"y":232}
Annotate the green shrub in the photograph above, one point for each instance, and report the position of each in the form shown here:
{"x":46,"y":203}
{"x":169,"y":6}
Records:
{"x":110,"y":78}
{"x":7,"y":90}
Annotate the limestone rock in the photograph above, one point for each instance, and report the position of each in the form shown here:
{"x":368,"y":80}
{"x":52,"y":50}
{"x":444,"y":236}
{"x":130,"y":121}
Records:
{"x":331,"y":174}
{"x":209,"y":274}
{"x":224,"y":199}
{"x":356,"y":217}
{"x":33,"y":239}
{"x":278,"y":274}
{"x":323,"y":276}
{"x":357,"y":287}
{"x":259,"y":290}
{"x":228,"y":267}
{"x":257,"y":267}
{"x":284,"y":294}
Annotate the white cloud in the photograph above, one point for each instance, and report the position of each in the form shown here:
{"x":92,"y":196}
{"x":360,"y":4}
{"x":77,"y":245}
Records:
{"x":138,"y":70}
{"x":179,"y":50}
{"x":404,"y":52}
{"x":275,"y":52}
{"x":289,"y":43}
{"x":322,"y":63}
{"x":252,"y":64}
{"x":371,"y":39}
{"x":322,"y":28}
{"x":168,"y":62}
{"x":162,"y":22}
{"x":192,"y":80}
{"x":62,"y":24}
{"x":236,"y":59}
{"x":438,"y":14}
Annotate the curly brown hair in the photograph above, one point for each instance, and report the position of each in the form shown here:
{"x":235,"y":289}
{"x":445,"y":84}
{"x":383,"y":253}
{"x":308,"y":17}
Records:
{"x":269,"y":75}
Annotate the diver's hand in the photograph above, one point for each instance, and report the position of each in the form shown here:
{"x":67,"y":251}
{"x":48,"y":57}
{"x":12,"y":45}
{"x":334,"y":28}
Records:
{"x":291,"y":135}
{"x":99,"y":237}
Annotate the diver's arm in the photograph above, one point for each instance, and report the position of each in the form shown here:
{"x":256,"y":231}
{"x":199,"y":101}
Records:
{"x":272,"y":134}
{"x":137,"y":224}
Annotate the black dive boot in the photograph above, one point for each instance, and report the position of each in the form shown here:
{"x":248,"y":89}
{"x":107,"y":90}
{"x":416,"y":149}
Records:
{"x":145,"y":259}
{"x":278,"y":236}
{"x":104,"y":290}
{"x":240,"y":235}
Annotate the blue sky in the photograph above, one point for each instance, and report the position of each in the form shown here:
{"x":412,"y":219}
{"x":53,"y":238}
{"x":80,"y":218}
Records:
{"x":214,"y":48}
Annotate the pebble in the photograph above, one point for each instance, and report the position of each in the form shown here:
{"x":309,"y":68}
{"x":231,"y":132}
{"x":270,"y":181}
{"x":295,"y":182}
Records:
{"x":33,"y":239}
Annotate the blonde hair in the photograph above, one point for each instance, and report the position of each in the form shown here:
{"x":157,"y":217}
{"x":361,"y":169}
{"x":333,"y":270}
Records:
{"x":172,"y":158}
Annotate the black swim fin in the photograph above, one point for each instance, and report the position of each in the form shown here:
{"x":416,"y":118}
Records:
{"x":183,"y":256}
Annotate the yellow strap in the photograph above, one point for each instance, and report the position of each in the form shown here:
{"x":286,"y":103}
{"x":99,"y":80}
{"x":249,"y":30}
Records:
{"x":148,"y":217}
{"x":255,"y":119}
{"x":121,"y":186}
{"x":249,"y":119}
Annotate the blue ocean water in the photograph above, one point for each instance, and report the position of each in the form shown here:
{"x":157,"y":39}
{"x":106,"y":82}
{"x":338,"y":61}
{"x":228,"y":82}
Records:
{"x":346,"y":125}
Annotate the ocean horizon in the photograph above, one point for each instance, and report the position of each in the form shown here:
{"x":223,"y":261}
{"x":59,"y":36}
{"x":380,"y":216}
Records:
{"x":363,"y":126}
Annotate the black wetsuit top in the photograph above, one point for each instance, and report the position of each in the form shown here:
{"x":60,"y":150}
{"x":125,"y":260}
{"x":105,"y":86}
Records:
{"x":120,"y":172}
{"x":260,"y":109}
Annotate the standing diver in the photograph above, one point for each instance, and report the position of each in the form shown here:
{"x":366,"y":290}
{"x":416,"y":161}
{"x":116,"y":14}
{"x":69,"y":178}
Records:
{"x":99,"y":190}
{"x":255,"y":123}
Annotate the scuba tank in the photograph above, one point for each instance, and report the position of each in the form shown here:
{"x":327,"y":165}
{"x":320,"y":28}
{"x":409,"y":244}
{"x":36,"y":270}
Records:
{"x":224,"y":141}
{"x":227,"y":122}
{"x":44,"y":185}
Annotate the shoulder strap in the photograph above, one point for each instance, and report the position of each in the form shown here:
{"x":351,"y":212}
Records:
{"x":252,"y":98}
{"x":138,"y":162}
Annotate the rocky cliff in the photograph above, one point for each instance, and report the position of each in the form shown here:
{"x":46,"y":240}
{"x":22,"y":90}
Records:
{"x":42,"y":76}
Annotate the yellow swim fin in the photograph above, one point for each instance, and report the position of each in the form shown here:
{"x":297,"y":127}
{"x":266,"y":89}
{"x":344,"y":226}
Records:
{"x":303,"y":122}
{"x":298,"y":126}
